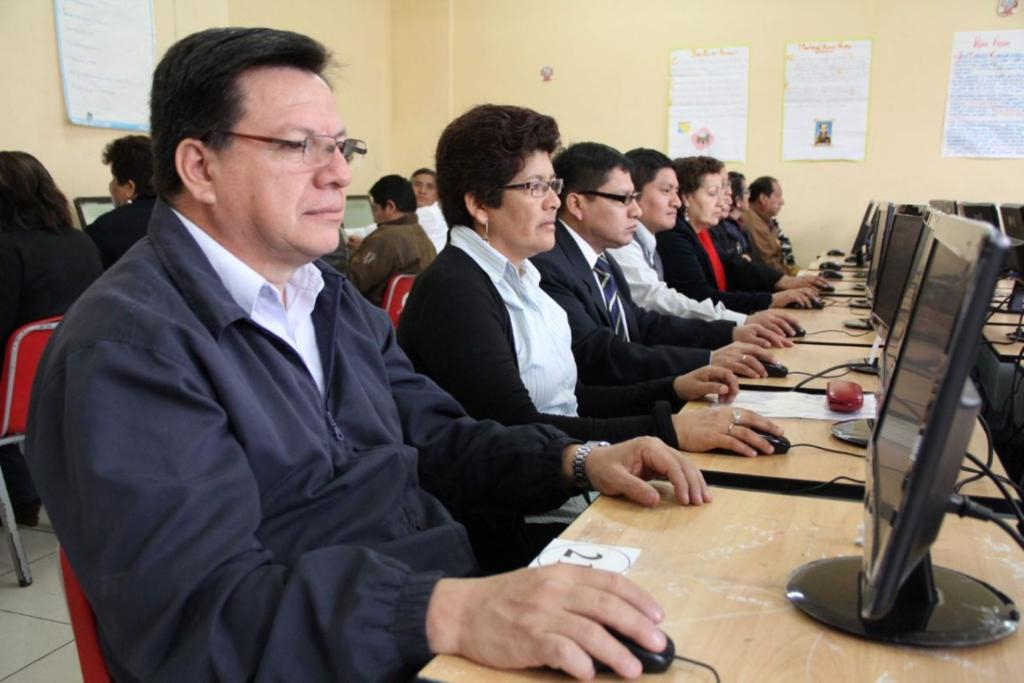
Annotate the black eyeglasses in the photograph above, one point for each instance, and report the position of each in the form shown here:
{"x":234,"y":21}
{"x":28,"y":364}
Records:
{"x":626,"y":199}
{"x":317,"y":150}
{"x":537,"y":188}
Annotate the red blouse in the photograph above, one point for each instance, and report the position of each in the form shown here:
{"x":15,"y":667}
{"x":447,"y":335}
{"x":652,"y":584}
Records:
{"x":716,"y":263}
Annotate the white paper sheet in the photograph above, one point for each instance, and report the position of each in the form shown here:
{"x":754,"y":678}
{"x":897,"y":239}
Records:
{"x":782,"y":404}
{"x":106,"y":61}
{"x":708,"y":96}
{"x":611,"y":558}
{"x":985,"y":102}
{"x":826,"y":100}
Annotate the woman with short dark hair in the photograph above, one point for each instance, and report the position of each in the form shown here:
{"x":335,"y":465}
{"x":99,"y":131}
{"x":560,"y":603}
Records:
{"x":44,"y":265}
{"x":131,"y":188}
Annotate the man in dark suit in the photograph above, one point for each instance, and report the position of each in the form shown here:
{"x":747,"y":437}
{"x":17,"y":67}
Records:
{"x":614,"y":340}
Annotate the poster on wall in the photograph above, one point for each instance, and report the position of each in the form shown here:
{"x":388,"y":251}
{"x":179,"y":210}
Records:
{"x":985,"y":100}
{"x":825,"y":108}
{"x":708,"y":95}
{"x":106,"y":51}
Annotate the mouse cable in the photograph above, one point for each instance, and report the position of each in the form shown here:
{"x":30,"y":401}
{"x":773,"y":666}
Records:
{"x":846,"y":332}
{"x":965,"y":507}
{"x":824,"y":372}
{"x":970,"y":470}
{"x":844,"y":373}
{"x":1014,"y":506}
{"x":705,"y":665}
{"x":998,"y":307}
{"x":825,"y":448}
{"x":989,"y":458}
{"x":834,"y":480}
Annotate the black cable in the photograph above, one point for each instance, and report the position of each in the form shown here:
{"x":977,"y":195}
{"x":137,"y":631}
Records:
{"x":848,"y":334}
{"x":823,"y":448}
{"x":965,"y":507}
{"x":824,"y":372}
{"x":827,"y":483}
{"x":988,"y":460}
{"x":1002,"y":489}
{"x":998,"y":306}
{"x":701,"y":664}
{"x":844,"y":373}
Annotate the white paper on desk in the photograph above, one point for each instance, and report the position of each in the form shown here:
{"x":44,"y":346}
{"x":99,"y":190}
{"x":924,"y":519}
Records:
{"x":794,"y":404}
{"x":611,"y":558}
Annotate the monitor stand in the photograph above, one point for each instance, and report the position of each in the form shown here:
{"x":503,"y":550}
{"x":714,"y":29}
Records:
{"x":859,"y":303}
{"x":1016,"y":335}
{"x":857,"y":432}
{"x":936,"y":607}
{"x":858,"y":324}
{"x":859,"y":287}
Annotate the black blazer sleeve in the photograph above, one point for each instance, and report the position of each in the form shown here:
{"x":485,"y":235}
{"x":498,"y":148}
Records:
{"x":688,"y":270}
{"x":456,"y":330}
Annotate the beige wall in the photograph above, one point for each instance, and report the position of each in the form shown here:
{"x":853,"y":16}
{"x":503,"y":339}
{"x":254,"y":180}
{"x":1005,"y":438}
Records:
{"x":410,"y":65}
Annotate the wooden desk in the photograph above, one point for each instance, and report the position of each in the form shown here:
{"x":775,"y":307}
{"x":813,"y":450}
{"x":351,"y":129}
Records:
{"x":819,"y":324}
{"x":1006,"y":350}
{"x":813,"y":358}
{"x":720,"y":572}
{"x":846,"y":288}
{"x":1013,"y":319}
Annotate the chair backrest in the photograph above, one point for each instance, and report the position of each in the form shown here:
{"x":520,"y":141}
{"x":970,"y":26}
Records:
{"x":24,"y":349}
{"x":395,"y":294}
{"x":83,"y":624}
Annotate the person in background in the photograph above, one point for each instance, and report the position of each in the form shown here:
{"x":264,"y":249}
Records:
{"x":45,"y":264}
{"x":398,"y":245}
{"x":424,"y":184}
{"x":248,"y":477}
{"x":642,"y":267}
{"x":693,"y":265}
{"x":761,"y":224}
{"x":728,"y":235}
{"x":131,"y":187}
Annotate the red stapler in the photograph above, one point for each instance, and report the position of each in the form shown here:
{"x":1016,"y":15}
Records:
{"x":844,"y":397}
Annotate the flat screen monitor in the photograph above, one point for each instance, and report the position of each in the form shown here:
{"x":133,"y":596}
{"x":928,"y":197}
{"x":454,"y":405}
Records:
{"x":900,"y":258}
{"x":979,"y":211}
{"x":893,"y":592}
{"x":886,"y":214}
{"x":358,"y":213}
{"x":91,"y":208}
{"x":1013,"y":226}
{"x":943,"y":205}
{"x":863,"y":232}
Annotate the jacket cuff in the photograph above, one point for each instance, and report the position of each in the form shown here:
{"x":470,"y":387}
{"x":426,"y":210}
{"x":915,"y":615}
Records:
{"x":410,"y":627}
{"x":663,"y":426}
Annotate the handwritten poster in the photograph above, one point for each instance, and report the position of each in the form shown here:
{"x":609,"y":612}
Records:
{"x":708,"y":97}
{"x":985,"y":102}
{"x":825,"y":113}
{"x":106,"y":61}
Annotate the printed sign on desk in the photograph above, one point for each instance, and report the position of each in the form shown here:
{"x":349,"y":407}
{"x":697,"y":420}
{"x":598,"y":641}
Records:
{"x":611,"y":558}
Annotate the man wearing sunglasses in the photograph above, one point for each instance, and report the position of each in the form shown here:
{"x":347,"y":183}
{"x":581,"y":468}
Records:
{"x":614,"y":340}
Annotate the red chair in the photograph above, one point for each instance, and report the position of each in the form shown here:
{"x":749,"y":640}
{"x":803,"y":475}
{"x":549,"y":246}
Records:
{"x":83,"y":624}
{"x":395,"y":294}
{"x":24,"y":349}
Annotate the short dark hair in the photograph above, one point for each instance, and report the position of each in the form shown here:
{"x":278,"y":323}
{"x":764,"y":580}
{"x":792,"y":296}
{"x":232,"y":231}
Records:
{"x":764,"y":185}
{"x":482,"y":150}
{"x":131,"y":158}
{"x":424,"y":171}
{"x":29,"y":199}
{"x":586,"y":165}
{"x":396,"y":189}
{"x":647,"y":163}
{"x":690,"y":172}
{"x":196,"y":93}
{"x":736,"y":183}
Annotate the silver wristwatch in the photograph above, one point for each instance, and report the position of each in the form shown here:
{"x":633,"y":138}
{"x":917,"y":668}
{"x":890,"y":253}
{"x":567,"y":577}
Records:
{"x":579,"y":463}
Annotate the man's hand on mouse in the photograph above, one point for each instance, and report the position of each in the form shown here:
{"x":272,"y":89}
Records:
{"x":775,"y":321}
{"x":743,"y":359}
{"x":760,"y":335}
{"x":724,"y":428}
{"x":549,"y":616}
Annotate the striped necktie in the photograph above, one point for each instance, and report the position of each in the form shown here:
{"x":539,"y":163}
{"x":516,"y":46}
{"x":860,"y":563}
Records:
{"x":610,"y":292}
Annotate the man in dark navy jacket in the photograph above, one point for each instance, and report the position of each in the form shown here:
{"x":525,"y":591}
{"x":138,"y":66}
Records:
{"x":614,"y":340}
{"x":231,"y":445}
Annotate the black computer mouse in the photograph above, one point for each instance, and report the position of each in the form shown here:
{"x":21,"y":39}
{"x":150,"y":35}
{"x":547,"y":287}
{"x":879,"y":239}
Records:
{"x":653,"y":662}
{"x":779,"y":443}
{"x":835,"y":252}
{"x":799,"y":331}
{"x":829,"y":265}
{"x":775,"y":369}
{"x":830,"y":274}
{"x":827,"y":288}
{"x":817,"y":304}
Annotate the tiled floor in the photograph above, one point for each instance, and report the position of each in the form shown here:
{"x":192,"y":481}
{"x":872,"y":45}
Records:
{"x":35,"y":633}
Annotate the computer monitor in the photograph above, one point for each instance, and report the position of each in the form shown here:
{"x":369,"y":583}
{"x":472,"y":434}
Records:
{"x":863,"y":232}
{"x":893,"y":592}
{"x":944,"y":205}
{"x":886,"y":214}
{"x":1013,"y":226}
{"x":900,"y":258}
{"x":358,"y":213}
{"x":91,"y":208}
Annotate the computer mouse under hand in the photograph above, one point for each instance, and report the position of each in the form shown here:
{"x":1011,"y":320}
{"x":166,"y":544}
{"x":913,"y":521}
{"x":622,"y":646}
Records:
{"x":826,"y":288}
{"x":775,"y":369}
{"x":830,"y":274}
{"x":815,"y":303}
{"x":780,"y":444}
{"x":829,"y":265}
{"x":835,"y":252}
{"x":652,"y":662}
{"x":799,"y":331}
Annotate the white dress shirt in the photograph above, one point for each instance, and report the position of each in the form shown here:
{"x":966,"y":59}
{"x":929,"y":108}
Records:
{"x":590,"y":256}
{"x":650,"y":292}
{"x":433,"y":223}
{"x":288,"y":318}
{"x":540,"y":328}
